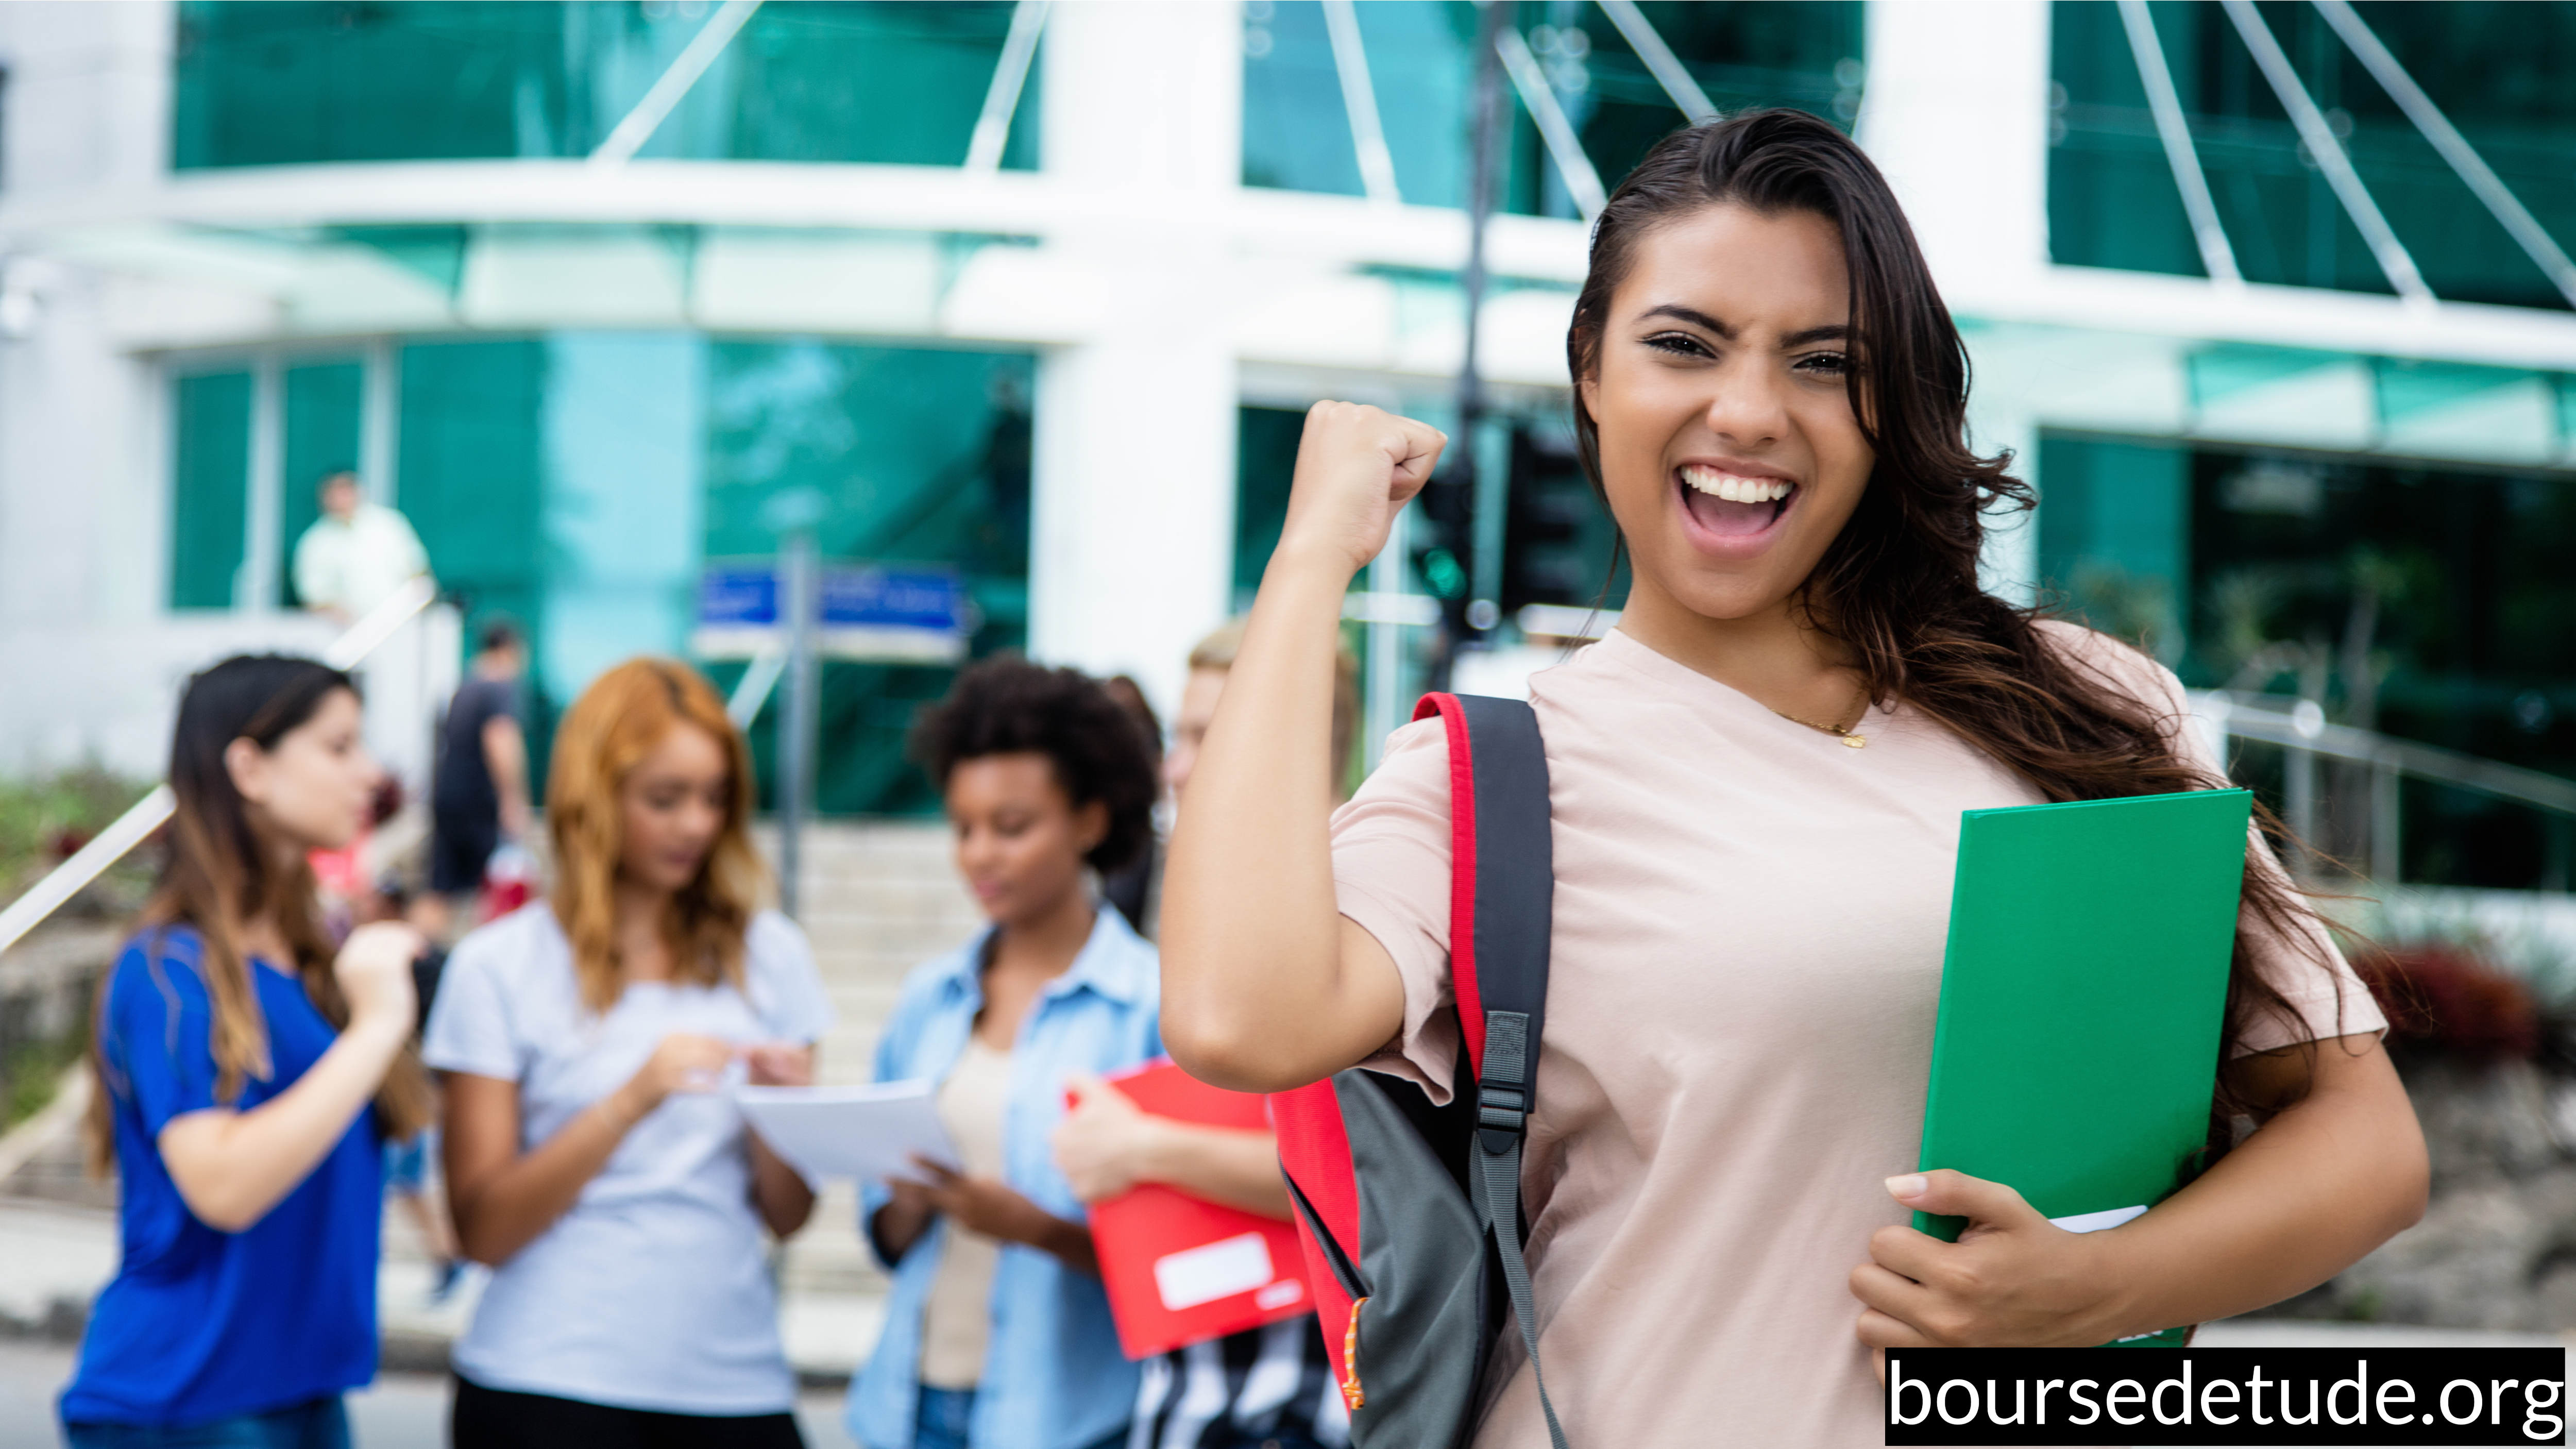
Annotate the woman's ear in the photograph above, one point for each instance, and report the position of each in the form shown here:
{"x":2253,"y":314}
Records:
{"x":1589,"y":389}
{"x":1091,"y":826}
{"x":247,"y":765}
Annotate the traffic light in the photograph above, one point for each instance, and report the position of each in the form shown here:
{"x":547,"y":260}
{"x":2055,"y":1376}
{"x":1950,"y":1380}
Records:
{"x":1443,"y":544}
{"x":1557,"y":535}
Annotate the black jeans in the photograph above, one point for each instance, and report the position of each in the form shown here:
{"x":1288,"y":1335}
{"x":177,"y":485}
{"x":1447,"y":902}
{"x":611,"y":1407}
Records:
{"x":499,"y":1419}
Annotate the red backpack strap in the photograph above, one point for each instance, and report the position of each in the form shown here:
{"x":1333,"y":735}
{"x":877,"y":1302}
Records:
{"x":1462,"y":869}
{"x":1502,"y":869}
{"x":1502,"y":885}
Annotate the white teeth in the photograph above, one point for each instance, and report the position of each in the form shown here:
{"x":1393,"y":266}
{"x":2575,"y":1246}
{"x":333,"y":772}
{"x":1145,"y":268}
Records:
{"x":1735,"y":488}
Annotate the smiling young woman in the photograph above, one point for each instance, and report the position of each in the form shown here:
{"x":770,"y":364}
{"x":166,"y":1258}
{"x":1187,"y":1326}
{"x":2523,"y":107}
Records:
{"x":997,"y":1332}
{"x":592,"y":1158}
{"x":1755,"y":784}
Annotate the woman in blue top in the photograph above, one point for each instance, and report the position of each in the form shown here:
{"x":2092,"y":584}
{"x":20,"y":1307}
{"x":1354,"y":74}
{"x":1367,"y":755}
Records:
{"x":998,"y":1334}
{"x":237,"y":1060}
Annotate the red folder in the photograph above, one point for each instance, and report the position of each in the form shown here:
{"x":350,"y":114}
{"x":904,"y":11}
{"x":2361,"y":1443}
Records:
{"x":1180,"y":1269}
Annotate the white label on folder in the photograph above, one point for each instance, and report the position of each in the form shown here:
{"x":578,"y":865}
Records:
{"x":2096,"y":1222}
{"x":1217,"y":1270}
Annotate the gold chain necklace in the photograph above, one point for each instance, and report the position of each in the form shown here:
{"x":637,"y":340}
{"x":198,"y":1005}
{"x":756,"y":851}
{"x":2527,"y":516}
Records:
{"x":1848,"y":734}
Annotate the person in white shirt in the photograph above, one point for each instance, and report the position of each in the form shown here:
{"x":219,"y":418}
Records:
{"x":356,"y":554}
{"x":593,"y":1158}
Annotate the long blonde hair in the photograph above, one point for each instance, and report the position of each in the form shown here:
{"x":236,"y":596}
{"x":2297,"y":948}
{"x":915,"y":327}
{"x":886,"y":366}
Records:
{"x":620,"y":719}
{"x":221,"y":872}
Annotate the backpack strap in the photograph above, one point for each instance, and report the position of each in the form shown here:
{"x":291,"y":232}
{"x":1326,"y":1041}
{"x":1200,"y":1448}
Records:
{"x":1501,"y":888}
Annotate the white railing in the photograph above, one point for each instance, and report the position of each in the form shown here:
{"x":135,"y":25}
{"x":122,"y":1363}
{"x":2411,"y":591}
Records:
{"x":147,"y":814}
{"x":2300,"y":727}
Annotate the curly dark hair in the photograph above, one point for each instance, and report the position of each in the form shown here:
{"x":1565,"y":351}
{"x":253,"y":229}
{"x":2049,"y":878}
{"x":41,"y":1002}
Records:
{"x":1007,"y":706}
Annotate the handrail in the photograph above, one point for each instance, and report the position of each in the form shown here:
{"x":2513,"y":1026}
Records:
{"x":2299,"y":724}
{"x":146,"y":815}
{"x":759,"y":679}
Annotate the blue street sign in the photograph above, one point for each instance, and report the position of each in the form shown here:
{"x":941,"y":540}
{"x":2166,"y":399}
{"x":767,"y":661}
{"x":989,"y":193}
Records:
{"x":737,"y":595}
{"x":867,"y":611}
{"x":874,"y":596}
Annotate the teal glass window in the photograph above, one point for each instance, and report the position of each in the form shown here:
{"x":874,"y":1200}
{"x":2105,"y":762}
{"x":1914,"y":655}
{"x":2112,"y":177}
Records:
{"x":2498,"y":71}
{"x":321,"y":437}
{"x":867,"y":80}
{"x":2114,"y":541}
{"x":2423,"y":600}
{"x":272,"y":82}
{"x":1421,"y":55}
{"x":921,"y":456}
{"x":209,"y":488}
{"x":1265,"y":451}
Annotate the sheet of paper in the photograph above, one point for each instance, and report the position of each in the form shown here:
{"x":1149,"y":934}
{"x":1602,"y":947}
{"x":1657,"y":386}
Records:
{"x":868,"y":1133}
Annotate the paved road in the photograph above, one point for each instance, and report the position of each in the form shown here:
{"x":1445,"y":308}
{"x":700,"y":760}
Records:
{"x":409,"y":1411}
{"x":401,"y":1411}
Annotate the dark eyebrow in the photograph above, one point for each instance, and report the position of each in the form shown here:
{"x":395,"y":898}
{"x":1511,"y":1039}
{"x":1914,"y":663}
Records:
{"x":1834,"y":332}
{"x":1693,"y":316}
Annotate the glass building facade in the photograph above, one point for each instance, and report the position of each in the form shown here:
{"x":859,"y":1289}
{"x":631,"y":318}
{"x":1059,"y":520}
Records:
{"x":2291,"y":489}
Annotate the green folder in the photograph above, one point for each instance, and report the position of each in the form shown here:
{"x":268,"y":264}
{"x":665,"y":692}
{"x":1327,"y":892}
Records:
{"x":2082,"y":996}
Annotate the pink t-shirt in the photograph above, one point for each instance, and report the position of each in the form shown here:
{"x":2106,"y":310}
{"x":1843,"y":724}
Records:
{"x":1746,"y":961}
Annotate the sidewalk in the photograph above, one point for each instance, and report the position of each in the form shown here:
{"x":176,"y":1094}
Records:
{"x":58,"y":1247}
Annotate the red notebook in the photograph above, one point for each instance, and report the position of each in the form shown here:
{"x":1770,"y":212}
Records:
{"x":1180,"y":1269}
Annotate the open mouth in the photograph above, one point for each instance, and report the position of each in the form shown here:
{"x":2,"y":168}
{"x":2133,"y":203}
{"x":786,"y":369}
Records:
{"x":1733,"y":505}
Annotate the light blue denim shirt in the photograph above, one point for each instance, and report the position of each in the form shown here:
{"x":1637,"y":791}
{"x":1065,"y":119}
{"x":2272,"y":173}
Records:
{"x":1053,"y":1377}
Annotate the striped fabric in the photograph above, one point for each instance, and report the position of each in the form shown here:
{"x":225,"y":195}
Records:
{"x":1245,"y":1389}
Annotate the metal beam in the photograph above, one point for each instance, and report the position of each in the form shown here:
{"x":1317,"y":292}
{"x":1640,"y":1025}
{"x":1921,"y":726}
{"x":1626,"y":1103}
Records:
{"x":658,"y":103}
{"x":146,"y":815}
{"x":2329,"y":154}
{"x":2455,"y":148}
{"x":2216,"y":257}
{"x":1661,"y":63}
{"x":1563,"y":146}
{"x":1359,"y":102}
{"x":1002,"y":97}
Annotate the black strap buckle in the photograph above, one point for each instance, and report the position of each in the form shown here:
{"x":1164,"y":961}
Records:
{"x":1501,"y":1115}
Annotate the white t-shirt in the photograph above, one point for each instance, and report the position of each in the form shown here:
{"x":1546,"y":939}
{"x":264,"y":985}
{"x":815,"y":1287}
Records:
{"x":355,"y":566}
{"x":652,"y":1292}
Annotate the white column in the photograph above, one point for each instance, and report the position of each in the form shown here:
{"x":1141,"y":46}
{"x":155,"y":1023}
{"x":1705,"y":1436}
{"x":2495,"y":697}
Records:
{"x":262,"y":550}
{"x":84,"y":478}
{"x":1134,"y":466}
{"x":1956,"y":115}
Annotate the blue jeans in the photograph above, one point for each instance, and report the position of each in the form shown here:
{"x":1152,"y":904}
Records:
{"x":321,"y":1424}
{"x":940,"y":1422}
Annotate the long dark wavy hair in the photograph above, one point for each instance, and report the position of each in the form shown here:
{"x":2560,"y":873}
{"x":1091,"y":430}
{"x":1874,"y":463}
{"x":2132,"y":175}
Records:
{"x":1899,"y":584}
{"x":222,"y":871}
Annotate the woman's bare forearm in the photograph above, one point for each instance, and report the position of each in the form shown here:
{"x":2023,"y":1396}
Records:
{"x":1236,"y":1166}
{"x":1256,"y":996}
{"x":501,"y":1199}
{"x":2331,"y":1178}
{"x":780,"y":1192}
{"x":232,"y":1167}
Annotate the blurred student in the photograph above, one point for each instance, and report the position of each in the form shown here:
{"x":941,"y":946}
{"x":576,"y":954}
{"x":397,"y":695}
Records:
{"x":356,"y":554}
{"x":246,"y":1079}
{"x":478,"y":796}
{"x":1134,"y":887}
{"x":591,"y":1160}
{"x":407,"y":1184}
{"x":998,"y":1332}
{"x":1264,"y":1388}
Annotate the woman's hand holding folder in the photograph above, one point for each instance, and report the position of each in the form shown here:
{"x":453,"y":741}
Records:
{"x":2335,"y":1169}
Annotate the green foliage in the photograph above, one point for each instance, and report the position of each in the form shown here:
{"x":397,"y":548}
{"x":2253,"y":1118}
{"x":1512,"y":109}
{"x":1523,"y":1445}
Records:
{"x":35,"y":1070}
{"x":43,"y":818}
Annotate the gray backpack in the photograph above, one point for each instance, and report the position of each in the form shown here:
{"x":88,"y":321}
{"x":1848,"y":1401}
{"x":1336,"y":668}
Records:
{"x":1410,"y":1212}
